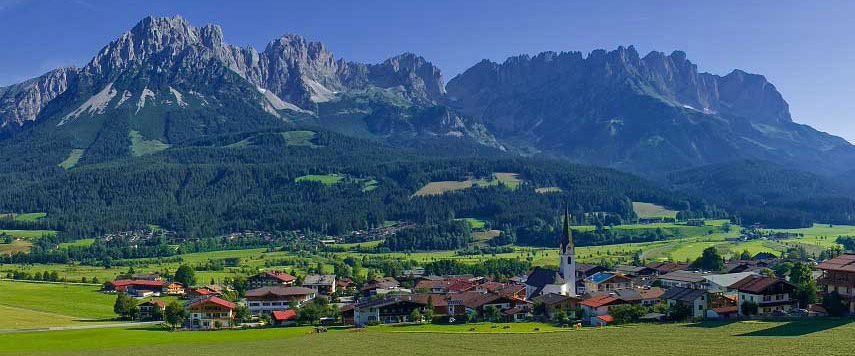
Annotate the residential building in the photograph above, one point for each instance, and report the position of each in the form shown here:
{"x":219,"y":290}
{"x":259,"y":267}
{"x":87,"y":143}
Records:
{"x":771,"y":294}
{"x":147,"y":309}
{"x":838,"y":275}
{"x":721,"y":283}
{"x":553,"y":303}
{"x":265,"y":300}
{"x":598,"y":305}
{"x":270,"y":278}
{"x":697,"y":300}
{"x":283,"y":317}
{"x":209,"y":313}
{"x":684,"y":279}
{"x":607,"y":281}
{"x":393,"y":309}
{"x":667,"y":267}
{"x":136,"y":286}
{"x":147,"y":276}
{"x":321,"y":283}
{"x":174,"y":288}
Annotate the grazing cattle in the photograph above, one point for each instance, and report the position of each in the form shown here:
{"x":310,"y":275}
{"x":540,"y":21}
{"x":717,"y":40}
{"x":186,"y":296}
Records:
{"x":577,"y":326}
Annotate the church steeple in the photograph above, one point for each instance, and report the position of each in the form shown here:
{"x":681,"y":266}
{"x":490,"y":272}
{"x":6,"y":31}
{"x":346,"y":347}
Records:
{"x":567,"y":236}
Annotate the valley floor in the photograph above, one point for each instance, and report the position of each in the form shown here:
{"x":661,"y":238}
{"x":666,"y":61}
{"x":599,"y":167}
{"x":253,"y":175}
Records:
{"x":804,"y":337}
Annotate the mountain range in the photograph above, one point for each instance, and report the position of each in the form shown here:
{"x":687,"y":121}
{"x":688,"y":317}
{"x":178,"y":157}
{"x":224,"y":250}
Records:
{"x":166,"y":85}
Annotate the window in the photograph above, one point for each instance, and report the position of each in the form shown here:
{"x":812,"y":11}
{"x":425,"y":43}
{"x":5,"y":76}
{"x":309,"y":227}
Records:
{"x":700,"y":307}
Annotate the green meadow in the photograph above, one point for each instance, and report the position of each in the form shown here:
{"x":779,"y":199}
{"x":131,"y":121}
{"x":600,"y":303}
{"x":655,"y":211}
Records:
{"x":803,"y":337}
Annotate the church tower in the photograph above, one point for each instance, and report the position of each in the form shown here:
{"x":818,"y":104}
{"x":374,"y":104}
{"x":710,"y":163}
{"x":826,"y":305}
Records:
{"x":567,"y":253}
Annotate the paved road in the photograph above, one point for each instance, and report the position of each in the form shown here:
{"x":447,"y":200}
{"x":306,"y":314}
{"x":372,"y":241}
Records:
{"x":74,"y":327}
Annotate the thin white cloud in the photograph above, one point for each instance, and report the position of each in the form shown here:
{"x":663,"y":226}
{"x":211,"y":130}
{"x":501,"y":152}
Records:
{"x":8,"y":4}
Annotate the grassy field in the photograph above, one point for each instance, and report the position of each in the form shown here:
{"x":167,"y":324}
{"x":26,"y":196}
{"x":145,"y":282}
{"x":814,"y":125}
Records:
{"x":820,"y":234}
{"x":327,"y":179}
{"x":15,"y":247}
{"x":648,"y":210}
{"x":82,"y":242}
{"x":141,"y":147}
{"x":810,"y":337}
{"x":545,"y":190}
{"x":299,"y":138}
{"x":29,"y":216}
{"x":474,"y":223}
{"x":511,"y":180}
{"x":27,"y":233}
{"x":17,"y":318}
{"x":58,"y":298}
{"x":72,"y":159}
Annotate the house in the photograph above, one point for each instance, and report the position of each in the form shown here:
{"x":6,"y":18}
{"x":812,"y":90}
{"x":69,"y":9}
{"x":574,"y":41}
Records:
{"x":380,"y":284}
{"x":601,"y":320}
{"x":443,"y":286}
{"x":345,"y":284}
{"x":838,"y":275}
{"x":265,"y":300}
{"x":134,"y":286}
{"x":667,"y":267}
{"x":585,"y":270}
{"x":392,"y":309}
{"x":147,"y":309}
{"x":697,"y":300}
{"x":696,"y":222}
{"x":552,"y":303}
{"x":607,"y":281}
{"x":147,"y":276}
{"x":771,"y":294}
{"x":270,"y":278}
{"x":205,"y":291}
{"x":174,"y":288}
{"x":720,"y":283}
{"x":636,"y":271}
{"x":286,"y":317}
{"x":650,"y":295}
{"x":209,"y":313}
{"x":598,"y":305}
{"x":763,"y":256}
{"x":684,"y":279}
{"x":321,"y":283}
{"x":520,"y":313}
{"x":728,"y":312}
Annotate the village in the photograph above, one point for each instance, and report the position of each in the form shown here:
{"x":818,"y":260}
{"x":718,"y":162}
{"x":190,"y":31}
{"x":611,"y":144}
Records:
{"x":576,"y":295}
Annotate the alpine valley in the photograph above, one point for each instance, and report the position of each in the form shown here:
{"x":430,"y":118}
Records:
{"x":170,"y":125}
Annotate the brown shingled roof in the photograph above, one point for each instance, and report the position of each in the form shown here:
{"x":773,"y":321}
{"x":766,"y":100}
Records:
{"x":759,"y":284}
{"x":844,"y":263}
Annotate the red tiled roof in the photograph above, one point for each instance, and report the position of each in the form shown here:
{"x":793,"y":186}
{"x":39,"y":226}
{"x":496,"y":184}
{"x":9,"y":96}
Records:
{"x":157,"y":302}
{"x":726,"y":310}
{"x":844,"y":263}
{"x":599,"y":301}
{"x":607,"y":318}
{"x":282,"y":276}
{"x":136,"y":282}
{"x":758,"y":284}
{"x":215,"y":300}
{"x":286,"y":314}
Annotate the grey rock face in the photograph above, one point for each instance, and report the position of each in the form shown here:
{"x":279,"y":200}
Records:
{"x":653,"y":113}
{"x":23,"y":102}
{"x":294,"y":69}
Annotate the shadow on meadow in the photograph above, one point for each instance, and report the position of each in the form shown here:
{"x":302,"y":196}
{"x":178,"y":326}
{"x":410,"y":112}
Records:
{"x":800,"y":327}
{"x":710,"y":324}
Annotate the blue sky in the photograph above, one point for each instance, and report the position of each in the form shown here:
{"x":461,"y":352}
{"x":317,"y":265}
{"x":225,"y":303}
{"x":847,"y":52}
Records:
{"x":804,"y":48}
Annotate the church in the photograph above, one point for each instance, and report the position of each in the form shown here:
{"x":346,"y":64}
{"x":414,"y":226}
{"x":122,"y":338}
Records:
{"x":544,"y":281}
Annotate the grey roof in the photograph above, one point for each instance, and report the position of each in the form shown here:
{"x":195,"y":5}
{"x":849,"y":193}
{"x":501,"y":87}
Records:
{"x":319,"y":279}
{"x":550,"y":298}
{"x":540,"y":277}
{"x":686,"y":276}
{"x":683,"y":294}
{"x":279,"y":291}
{"x":726,"y":280}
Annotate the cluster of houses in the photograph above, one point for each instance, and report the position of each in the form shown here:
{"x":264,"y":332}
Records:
{"x":582,"y":291}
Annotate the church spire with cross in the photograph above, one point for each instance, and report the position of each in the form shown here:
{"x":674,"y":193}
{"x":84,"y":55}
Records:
{"x":567,"y":254}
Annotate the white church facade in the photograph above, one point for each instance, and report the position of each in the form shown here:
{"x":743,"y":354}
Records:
{"x":544,"y":281}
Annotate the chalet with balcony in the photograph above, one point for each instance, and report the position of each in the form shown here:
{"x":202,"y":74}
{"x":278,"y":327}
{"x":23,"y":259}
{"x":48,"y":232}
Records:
{"x":265,"y":300}
{"x":270,"y":278}
{"x":838,"y":275}
{"x":769,"y":293}
{"x":209,"y":313}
